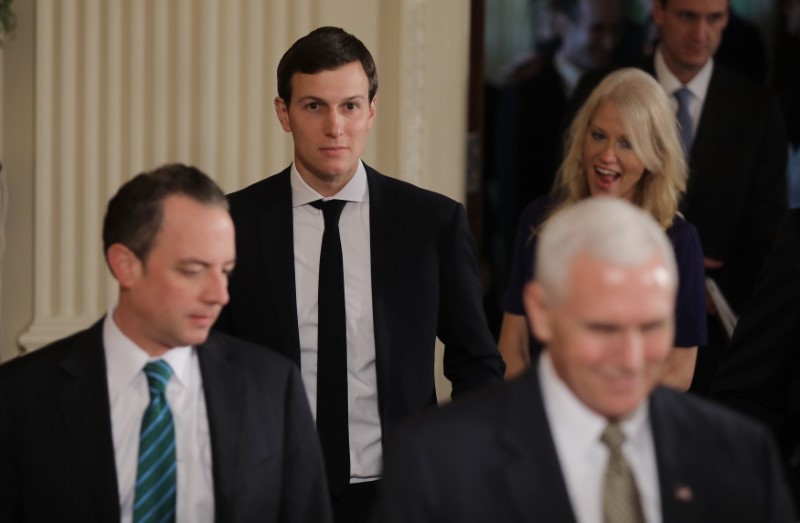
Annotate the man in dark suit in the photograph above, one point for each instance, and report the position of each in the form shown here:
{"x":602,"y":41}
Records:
{"x":587,"y":435}
{"x":737,"y":153}
{"x":406,"y":263}
{"x":226,"y":433}
{"x":526,"y":147}
{"x":758,"y":375}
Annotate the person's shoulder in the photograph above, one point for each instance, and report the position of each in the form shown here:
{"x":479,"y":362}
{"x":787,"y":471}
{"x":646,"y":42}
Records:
{"x":682,"y":230}
{"x":537,"y":211}
{"x":527,"y":83}
{"x":477,"y":414}
{"x":706,"y":420}
{"x":252,"y":355}
{"x":50,"y":357}
{"x":590,"y":79}
{"x":260,"y":190}
{"x":736,"y":85}
{"x":406,"y":193}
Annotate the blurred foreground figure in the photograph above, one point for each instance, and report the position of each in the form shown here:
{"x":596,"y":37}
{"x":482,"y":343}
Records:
{"x":587,"y":435}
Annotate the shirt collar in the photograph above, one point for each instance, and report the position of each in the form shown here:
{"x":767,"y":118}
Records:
{"x":575,"y":420}
{"x":125,"y":360}
{"x":697,"y":85}
{"x":570,"y":73}
{"x":355,"y":190}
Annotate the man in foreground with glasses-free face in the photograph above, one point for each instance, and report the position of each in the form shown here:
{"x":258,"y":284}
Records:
{"x":587,"y":435}
{"x":145,"y":416}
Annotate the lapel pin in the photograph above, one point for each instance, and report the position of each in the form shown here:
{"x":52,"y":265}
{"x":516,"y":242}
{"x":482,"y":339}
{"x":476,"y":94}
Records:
{"x":683,"y":493}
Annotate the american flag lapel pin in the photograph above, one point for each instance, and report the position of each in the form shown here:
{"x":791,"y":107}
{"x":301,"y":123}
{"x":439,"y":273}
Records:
{"x":683,"y":493}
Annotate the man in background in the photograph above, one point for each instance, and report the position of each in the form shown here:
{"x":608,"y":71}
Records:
{"x":525,"y":132}
{"x":352,"y":274}
{"x":758,"y":374}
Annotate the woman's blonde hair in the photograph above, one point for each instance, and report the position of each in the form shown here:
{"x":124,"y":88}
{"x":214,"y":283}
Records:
{"x":652,"y":130}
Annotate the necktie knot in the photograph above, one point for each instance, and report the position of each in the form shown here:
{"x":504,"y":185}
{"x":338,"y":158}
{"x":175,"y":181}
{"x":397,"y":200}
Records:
{"x":613,"y":437}
{"x":331,"y":210}
{"x":158,"y":374}
{"x":683,"y":95}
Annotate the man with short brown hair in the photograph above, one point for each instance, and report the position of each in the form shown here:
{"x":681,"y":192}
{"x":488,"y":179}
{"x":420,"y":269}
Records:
{"x":144,"y":416}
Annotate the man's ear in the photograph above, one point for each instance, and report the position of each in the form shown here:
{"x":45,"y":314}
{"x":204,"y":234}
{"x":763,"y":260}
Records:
{"x":539,"y":314}
{"x":658,"y":12}
{"x":125,"y":265}
{"x":282,"y":111}
{"x":372,"y":112}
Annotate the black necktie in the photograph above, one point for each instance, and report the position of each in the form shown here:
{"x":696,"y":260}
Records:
{"x":332,"y":418}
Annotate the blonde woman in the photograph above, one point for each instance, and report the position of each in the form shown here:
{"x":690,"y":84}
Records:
{"x":624,"y":143}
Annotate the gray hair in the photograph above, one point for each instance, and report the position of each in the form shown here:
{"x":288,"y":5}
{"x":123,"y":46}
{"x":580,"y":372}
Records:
{"x":606,"y":229}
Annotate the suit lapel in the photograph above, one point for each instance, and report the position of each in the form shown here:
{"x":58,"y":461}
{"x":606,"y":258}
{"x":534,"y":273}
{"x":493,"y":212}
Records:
{"x":532,"y":471}
{"x":714,"y":129}
{"x":277,"y":246}
{"x":676,"y":461}
{"x":715,"y":106}
{"x":385,"y":217}
{"x":224,"y":394}
{"x":83,"y":396}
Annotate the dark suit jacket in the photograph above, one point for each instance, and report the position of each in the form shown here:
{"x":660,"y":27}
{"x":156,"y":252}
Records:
{"x":736,"y":195}
{"x":757,"y":373}
{"x":491,"y":457}
{"x":425,"y":284}
{"x":527,"y":146}
{"x":57,"y":455}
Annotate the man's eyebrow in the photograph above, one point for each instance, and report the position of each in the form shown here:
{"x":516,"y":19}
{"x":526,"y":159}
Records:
{"x":309,"y":98}
{"x":194,"y":261}
{"x":654,"y":323}
{"x":312,"y":98}
{"x":203,"y":263}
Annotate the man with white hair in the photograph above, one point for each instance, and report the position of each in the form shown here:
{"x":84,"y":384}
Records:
{"x":587,"y":435}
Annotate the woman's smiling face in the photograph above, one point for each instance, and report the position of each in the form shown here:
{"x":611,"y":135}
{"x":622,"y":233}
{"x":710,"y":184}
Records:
{"x":611,"y":166}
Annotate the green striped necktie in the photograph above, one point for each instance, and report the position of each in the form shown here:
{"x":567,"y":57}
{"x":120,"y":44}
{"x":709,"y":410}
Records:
{"x":155,"y":475}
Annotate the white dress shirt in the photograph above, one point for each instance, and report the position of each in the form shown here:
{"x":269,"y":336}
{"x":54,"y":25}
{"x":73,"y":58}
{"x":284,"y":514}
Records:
{"x":569,"y":73}
{"x":698,"y":86}
{"x":129,"y":396}
{"x":362,"y":381}
{"x":582,"y":455}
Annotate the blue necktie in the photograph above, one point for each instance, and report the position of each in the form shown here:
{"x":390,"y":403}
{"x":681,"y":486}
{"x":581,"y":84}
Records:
{"x":155,"y":475}
{"x":684,"y":96}
{"x":332,"y":410}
